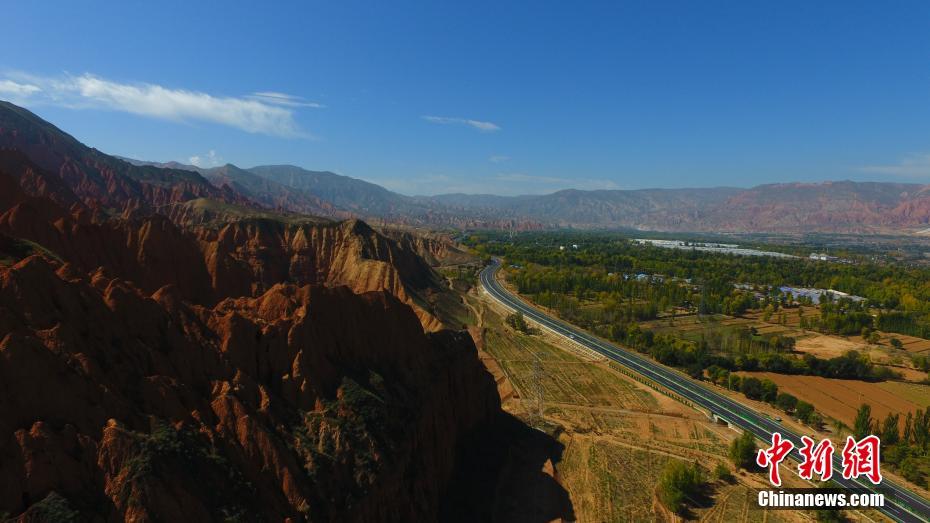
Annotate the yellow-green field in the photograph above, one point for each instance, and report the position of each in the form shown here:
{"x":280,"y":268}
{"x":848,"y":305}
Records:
{"x":916,"y":393}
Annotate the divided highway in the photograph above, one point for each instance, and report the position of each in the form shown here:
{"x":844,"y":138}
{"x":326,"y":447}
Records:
{"x":905,"y":505}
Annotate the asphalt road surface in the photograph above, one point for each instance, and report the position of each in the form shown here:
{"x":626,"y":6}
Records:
{"x":900,"y":503}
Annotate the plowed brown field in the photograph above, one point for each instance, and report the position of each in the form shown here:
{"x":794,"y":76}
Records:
{"x":840,"y":399}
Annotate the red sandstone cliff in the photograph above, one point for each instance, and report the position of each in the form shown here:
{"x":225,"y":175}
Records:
{"x":172,"y":352}
{"x":242,"y":257}
{"x":302,"y":402}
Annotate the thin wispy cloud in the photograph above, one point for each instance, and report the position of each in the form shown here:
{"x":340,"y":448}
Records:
{"x":487,"y":127}
{"x":498,"y":158}
{"x":914,"y":165}
{"x":211,"y":159}
{"x":17,"y":90}
{"x":252,"y":114}
{"x":286,"y":100}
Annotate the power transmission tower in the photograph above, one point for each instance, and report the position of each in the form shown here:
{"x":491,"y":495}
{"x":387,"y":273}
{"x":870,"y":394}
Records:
{"x":538,"y":386}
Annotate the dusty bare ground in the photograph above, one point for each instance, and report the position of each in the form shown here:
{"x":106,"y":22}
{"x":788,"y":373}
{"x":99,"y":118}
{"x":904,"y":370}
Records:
{"x":617,"y":433}
{"x":840,"y":399}
{"x":824,"y":346}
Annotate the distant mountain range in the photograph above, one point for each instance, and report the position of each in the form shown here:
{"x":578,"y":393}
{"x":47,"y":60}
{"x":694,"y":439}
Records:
{"x":124,"y":184}
{"x":843,"y":206}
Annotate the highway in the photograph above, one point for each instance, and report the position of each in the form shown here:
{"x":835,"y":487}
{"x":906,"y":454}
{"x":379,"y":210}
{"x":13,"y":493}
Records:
{"x":905,"y":505}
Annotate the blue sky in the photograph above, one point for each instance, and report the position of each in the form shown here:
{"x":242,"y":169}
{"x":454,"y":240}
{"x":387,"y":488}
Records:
{"x":496,"y":97}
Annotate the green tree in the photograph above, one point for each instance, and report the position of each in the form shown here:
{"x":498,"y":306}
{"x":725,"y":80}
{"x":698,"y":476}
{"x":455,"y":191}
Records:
{"x":815,"y":420}
{"x":751,"y":387}
{"x":767,"y":312}
{"x":733,"y":382}
{"x":786,"y":402}
{"x":769,"y":391}
{"x":518,"y":322}
{"x":862,"y":427}
{"x":722,"y":473}
{"x":890,"y":434}
{"x":804,"y":410}
{"x":743,"y":451}
{"x":679,"y":484}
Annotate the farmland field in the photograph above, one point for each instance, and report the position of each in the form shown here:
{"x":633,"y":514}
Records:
{"x":617,"y":433}
{"x":839,"y":399}
{"x":692,"y":327}
{"x":624,"y":478}
{"x":916,"y":393}
{"x":564,"y":377}
{"x":909,"y":343}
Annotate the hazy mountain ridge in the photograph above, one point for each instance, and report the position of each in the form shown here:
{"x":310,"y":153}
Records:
{"x":833,"y":206}
{"x":840,"y":206}
{"x":97,"y":178}
{"x":94,"y":177}
{"x":260,"y":189}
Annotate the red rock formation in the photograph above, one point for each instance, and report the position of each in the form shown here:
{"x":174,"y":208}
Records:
{"x":435,"y":248}
{"x":242,"y":258}
{"x":304,"y":401}
{"x":172,"y":351}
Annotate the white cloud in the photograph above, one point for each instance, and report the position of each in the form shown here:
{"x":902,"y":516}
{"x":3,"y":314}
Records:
{"x":476,"y":124}
{"x":252,"y":114}
{"x":284,"y":99}
{"x":916,"y":165}
{"x":211,"y":159}
{"x":17,"y":90}
{"x":498,"y":158}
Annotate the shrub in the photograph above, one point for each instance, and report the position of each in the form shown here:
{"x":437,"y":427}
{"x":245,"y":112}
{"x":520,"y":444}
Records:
{"x":518,"y":322}
{"x":680,"y":482}
{"x":743,"y":451}
{"x":722,"y":473}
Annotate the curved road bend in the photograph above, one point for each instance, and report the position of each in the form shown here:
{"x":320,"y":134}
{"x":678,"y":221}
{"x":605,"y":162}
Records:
{"x":905,"y":505}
